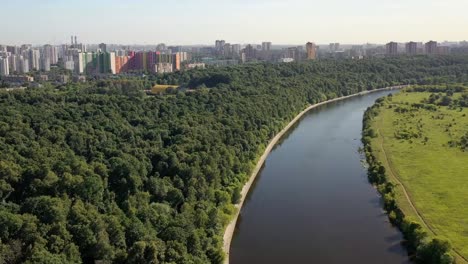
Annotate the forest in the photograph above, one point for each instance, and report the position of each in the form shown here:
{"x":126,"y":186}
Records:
{"x":101,"y":172}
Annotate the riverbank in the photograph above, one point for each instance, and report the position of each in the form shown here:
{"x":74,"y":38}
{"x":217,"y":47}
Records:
{"x":423,"y":168}
{"x":229,"y":232}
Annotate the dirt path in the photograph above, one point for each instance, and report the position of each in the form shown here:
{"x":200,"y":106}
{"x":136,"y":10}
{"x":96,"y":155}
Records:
{"x":395,"y":178}
{"x":230,"y":229}
{"x":407,"y":195}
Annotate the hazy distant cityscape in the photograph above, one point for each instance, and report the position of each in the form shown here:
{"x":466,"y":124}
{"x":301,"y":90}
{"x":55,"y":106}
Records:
{"x":28,"y":63}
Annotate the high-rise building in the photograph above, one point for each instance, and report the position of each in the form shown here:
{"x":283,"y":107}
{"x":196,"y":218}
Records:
{"x":80,"y":63}
{"x":292,"y":53}
{"x":219,"y":45}
{"x":121,"y":64}
{"x":50,"y":52}
{"x":266,"y":46}
{"x":184,"y":56}
{"x":90,"y":62}
{"x":411,"y":48}
{"x":266,"y":51}
{"x":431,"y":47}
{"x":4,"y":67}
{"x":334,"y":47}
{"x":174,"y":49}
{"x":163,"y":67}
{"x":164,"y":58}
{"x":120,"y":52}
{"x":138,"y":62}
{"x":112,"y":62}
{"x":106,"y":62}
{"x":443,"y":50}
{"x":45,"y":64}
{"x":161,"y":47}
{"x":236,"y":49}
{"x":69,"y":65}
{"x":176,"y":61}
{"x":357,"y":52}
{"x":34,"y":59}
{"x":145,"y":61}
{"x":392,"y":48}
{"x":13,"y":50}
{"x":250,"y":52}
{"x":151,"y":59}
{"x":311,"y":49}
{"x":289,"y":53}
{"x":25,"y":47}
{"x":23,"y":65}
{"x":103,"y":47}
{"x":13,"y":63}
{"x":227,"y":50}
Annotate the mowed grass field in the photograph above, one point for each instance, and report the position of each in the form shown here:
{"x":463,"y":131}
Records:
{"x":434,"y":174}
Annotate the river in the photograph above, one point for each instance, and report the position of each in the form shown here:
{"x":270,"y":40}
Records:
{"x":312,"y":203}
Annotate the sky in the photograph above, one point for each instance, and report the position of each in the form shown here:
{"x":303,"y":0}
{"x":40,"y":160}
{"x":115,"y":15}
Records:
{"x":190,"y":22}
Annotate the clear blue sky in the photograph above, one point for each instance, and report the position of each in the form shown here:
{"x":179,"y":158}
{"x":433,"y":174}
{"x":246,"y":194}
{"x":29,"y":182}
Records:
{"x":236,"y":21}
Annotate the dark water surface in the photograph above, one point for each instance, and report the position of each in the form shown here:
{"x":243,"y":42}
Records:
{"x":312,"y":202}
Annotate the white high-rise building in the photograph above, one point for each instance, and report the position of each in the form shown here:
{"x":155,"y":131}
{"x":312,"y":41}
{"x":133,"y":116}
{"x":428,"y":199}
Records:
{"x":80,"y":63}
{"x":54,"y":56}
{"x":13,"y":63}
{"x":112,"y":62}
{"x":45,"y":64}
{"x":24,"y":65}
{"x":50,"y":52}
{"x":34,"y":59}
{"x":4,"y":67}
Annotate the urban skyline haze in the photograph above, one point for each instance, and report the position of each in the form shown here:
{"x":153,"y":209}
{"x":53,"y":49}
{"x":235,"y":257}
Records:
{"x":190,"y":22}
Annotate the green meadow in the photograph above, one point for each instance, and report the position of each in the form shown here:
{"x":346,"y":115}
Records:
{"x":421,"y":140}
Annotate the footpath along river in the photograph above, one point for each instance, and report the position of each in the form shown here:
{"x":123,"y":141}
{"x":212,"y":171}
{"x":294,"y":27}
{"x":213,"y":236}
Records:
{"x":311,"y":202}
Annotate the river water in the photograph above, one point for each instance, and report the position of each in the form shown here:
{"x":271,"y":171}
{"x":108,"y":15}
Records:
{"x":312,"y":203}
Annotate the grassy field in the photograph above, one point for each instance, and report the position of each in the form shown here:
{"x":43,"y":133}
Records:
{"x":158,"y":88}
{"x":418,"y":148}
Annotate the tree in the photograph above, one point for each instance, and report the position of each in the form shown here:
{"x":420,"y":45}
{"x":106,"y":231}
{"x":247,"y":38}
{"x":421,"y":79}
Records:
{"x":437,"y":251}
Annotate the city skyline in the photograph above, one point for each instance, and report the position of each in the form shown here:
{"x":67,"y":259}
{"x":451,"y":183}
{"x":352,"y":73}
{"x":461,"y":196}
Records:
{"x":187,"y":23}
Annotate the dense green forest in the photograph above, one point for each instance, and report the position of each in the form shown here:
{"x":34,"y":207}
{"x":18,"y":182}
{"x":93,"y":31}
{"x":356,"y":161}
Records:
{"x":99,"y":171}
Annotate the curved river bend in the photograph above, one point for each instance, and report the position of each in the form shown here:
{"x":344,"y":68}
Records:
{"x":312,"y":203}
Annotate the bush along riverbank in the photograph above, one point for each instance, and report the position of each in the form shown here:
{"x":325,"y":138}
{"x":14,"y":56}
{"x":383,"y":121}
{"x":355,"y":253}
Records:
{"x":422,"y":247}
